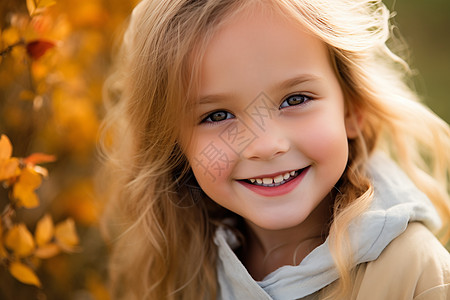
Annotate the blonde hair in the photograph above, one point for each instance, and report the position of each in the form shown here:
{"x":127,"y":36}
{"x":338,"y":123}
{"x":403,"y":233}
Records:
{"x":161,"y":222}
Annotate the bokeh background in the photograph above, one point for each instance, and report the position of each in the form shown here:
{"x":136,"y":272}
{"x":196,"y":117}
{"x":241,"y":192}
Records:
{"x":425,"y":26}
{"x":51,"y":102}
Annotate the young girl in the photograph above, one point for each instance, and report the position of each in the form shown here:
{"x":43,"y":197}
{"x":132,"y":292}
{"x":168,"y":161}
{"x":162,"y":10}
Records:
{"x":252,"y":156}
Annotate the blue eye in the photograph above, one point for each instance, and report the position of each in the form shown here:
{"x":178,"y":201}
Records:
{"x":217,"y":116}
{"x":294,"y":100}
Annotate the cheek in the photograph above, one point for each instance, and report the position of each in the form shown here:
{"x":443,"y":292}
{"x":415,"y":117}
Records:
{"x":210,"y":158}
{"x":324,"y":137}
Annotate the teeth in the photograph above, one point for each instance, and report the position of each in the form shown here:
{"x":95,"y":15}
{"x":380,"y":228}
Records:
{"x":278,"y":179}
{"x":267,"y":180}
{"x":271,"y":181}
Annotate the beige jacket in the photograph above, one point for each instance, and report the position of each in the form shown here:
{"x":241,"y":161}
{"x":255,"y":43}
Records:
{"x":413,"y":266}
{"x":395,"y":256}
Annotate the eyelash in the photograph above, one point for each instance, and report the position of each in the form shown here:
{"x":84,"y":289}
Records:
{"x":304,"y":99}
{"x":209,"y":116}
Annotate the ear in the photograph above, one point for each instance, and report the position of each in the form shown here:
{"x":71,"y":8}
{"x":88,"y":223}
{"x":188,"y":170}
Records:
{"x":353,"y":122}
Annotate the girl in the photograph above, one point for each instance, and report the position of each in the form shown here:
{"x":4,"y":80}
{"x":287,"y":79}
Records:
{"x":252,"y":156}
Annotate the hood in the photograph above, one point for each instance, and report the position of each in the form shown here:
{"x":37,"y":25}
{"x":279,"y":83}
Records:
{"x":396,"y":202}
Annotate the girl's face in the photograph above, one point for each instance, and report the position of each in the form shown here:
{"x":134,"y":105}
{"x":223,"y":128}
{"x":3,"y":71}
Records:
{"x":271,"y":138}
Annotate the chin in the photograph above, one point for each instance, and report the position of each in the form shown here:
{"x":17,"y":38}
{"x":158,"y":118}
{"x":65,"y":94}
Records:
{"x":279,"y":222}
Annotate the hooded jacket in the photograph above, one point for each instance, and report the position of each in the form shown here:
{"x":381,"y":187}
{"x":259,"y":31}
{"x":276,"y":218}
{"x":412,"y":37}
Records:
{"x":396,"y":203}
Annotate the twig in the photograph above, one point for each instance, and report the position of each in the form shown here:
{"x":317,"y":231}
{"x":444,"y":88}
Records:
{"x":8,"y":49}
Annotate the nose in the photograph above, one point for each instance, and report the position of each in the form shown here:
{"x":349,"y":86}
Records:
{"x":270,"y":143}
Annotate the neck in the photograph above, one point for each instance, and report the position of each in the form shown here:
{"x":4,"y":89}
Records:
{"x":267,"y":250}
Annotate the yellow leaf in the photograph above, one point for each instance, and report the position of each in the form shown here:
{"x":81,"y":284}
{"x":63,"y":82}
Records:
{"x":47,"y":251}
{"x":23,"y":190}
{"x":24,"y":274}
{"x":46,"y":3}
{"x":9,"y":168}
{"x":66,"y":235}
{"x":37,"y":6}
{"x":31,"y":6}
{"x":8,"y":165}
{"x":3,"y":252}
{"x":5,"y":147}
{"x":44,"y":230}
{"x":10,"y":36}
{"x":20,"y":241}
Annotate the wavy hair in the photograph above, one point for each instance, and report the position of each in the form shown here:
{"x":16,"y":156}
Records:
{"x":161,"y":223}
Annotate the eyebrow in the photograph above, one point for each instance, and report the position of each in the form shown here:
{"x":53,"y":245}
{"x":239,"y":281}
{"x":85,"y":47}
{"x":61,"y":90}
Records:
{"x":281,"y":86}
{"x":214,"y":98}
{"x":293,"y":81}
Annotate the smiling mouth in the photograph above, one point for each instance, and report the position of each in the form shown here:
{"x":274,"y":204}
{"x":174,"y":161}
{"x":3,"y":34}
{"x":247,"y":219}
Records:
{"x":275,"y":181}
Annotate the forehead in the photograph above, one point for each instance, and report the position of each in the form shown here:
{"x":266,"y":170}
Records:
{"x":256,"y":47}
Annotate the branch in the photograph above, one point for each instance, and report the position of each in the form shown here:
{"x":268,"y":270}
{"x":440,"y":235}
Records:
{"x":8,"y":49}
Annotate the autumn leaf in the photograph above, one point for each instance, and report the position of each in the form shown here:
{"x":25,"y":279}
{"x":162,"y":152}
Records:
{"x":66,"y":235}
{"x":24,"y":274}
{"x":37,"y":6}
{"x":44,"y":230}
{"x":5,"y":147}
{"x":8,"y":166}
{"x":39,"y":158}
{"x":23,"y":190}
{"x":36,"y":49}
{"x":10,"y":36}
{"x":47,"y":251}
{"x":3,"y":252}
{"x":20,"y":240}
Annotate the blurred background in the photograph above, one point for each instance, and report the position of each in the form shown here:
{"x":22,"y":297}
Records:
{"x":425,"y":26}
{"x":54,"y":58}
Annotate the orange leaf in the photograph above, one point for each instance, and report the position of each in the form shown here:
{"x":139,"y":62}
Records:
{"x":5,"y":147}
{"x":37,"y":6}
{"x":23,"y":190}
{"x":10,"y":36}
{"x":39,"y":158}
{"x":47,"y":251}
{"x":20,"y":240}
{"x":3,"y":252}
{"x":44,"y":230}
{"x":9,"y":168}
{"x":24,"y":274}
{"x":66,"y":235}
{"x":31,"y":6}
{"x":8,"y":165}
{"x":38,"y":48}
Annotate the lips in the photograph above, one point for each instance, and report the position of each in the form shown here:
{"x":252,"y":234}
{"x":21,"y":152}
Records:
{"x":272,"y":186}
